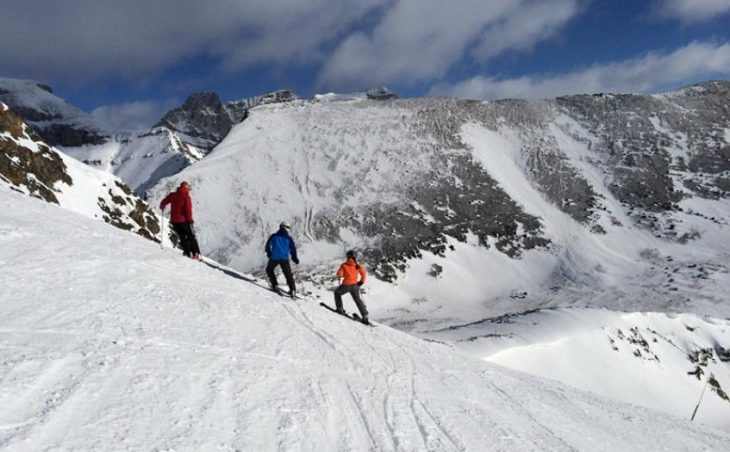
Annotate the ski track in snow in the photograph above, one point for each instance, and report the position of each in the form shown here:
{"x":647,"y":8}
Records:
{"x":109,"y":343}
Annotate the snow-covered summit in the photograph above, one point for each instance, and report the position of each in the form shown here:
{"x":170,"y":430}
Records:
{"x":57,"y":121}
{"x":105,"y":352}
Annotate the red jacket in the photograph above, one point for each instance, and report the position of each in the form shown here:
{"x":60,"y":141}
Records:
{"x":181,"y":206}
{"x":349,"y":271}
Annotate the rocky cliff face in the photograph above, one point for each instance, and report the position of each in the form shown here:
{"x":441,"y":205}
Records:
{"x":202,"y":119}
{"x":29,"y":165}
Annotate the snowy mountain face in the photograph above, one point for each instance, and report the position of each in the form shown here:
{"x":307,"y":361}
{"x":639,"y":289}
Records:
{"x":409,"y":178}
{"x":141,"y":159}
{"x":103,"y":353}
{"x":469,"y":211}
{"x":55,"y":120}
{"x":183,"y":136}
{"x":30,"y":166}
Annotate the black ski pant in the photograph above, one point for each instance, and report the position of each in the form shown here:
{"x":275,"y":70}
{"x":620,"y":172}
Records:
{"x":187,"y":239}
{"x":286,"y":268}
{"x":353,"y":290}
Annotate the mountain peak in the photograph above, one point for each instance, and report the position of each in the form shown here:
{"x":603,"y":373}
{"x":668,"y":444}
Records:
{"x":201,"y":100}
{"x":202,"y":117}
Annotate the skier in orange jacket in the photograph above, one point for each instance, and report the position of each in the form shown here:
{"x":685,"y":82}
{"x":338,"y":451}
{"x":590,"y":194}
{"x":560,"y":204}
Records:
{"x":348,"y":274}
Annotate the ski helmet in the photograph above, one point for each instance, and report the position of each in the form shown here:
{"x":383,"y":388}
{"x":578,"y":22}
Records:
{"x":284,"y":225}
{"x":351,"y":254}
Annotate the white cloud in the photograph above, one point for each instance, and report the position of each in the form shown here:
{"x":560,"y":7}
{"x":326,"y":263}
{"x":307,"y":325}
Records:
{"x":646,"y":74}
{"x":693,"y":10}
{"x":137,"y":115}
{"x":530,"y":23}
{"x":419,"y":40}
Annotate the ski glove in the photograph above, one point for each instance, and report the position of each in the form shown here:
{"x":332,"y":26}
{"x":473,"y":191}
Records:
{"x":296,"y":260}
{"x":360,"y":283}
{"x":192,"y":228}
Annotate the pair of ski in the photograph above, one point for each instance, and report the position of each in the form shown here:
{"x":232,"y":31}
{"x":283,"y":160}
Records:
{"x":352,"y":316}
{"x":284,"y":294}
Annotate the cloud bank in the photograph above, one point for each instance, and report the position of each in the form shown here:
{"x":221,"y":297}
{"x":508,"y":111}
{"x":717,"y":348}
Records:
{"x":420,"y":40}
{"x":90,"y":39}
{"x":644,"y":74}
{"x":693,"y":10}
{"x":356,"y":43}
{"x":344,"y":44}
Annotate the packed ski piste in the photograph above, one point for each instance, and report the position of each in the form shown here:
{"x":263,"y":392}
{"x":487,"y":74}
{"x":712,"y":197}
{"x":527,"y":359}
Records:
{"x":111,"y":343}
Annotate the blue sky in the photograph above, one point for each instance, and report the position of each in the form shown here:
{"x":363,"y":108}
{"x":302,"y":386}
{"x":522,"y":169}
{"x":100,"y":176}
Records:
{"x":129,"y":61}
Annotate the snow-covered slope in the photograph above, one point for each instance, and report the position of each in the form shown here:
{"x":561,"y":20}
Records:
{"x":468,"y":211}
{"x":656,"y":360}
{"x":30,"y":166}
{"x":58,"y":122}
{"x":121,"y":345}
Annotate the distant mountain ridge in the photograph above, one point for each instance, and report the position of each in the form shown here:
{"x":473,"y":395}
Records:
{"x":57,"y":121}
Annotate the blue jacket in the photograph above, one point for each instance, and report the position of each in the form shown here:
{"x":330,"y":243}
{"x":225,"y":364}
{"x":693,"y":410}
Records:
{"x":280,"y":245}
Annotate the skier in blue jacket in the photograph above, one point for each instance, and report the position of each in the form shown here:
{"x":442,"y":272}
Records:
{"x":278,"y":248}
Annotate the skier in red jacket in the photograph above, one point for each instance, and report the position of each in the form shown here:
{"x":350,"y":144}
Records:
{"x":181,"y":217}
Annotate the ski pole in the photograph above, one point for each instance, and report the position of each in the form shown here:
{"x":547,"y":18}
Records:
{"x":699,"y":401}
{"x":162,"y":229}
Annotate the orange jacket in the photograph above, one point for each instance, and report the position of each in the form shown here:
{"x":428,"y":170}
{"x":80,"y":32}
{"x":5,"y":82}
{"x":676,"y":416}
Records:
{"x":349,"y":270}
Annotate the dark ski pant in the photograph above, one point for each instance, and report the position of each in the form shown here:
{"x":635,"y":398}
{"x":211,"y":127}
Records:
{"x":353,"y":290}
{"x":286,"y":268}
{"x":187,"y":239}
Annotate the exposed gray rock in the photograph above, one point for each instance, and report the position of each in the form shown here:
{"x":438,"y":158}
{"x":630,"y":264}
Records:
{"x":381,"y":93}
{"x":202,"y":118}
{"x":238,"y":109}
